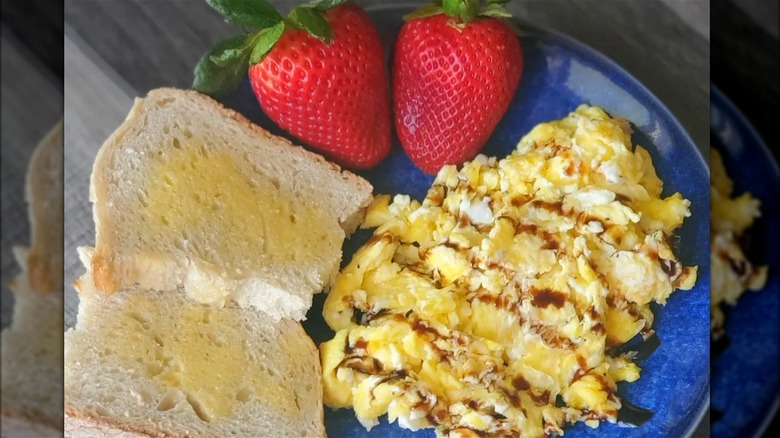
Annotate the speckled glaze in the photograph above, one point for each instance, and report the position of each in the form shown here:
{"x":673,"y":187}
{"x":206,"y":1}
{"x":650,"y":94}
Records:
{"x":560,"y":74}
{"x":745,"y":377}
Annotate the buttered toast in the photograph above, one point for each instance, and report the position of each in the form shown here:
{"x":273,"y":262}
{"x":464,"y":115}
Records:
{"x":153,"y":363}
{"x":189,"y":194}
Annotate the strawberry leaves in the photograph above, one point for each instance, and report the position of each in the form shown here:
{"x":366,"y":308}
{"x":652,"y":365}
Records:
{"x":221,"y":70}
{"x":311,"y":21}
{"x":494,"y":10}
{"x":463,"y":10}
{"x":264,"y":41}
{"x":466,"y":10}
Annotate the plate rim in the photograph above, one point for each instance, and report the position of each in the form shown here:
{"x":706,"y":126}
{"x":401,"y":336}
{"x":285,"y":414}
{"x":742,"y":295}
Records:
{"x":719,"y":99}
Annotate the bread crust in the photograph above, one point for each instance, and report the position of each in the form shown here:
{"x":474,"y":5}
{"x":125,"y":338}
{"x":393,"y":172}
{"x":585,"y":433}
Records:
{"x":82,"y":425}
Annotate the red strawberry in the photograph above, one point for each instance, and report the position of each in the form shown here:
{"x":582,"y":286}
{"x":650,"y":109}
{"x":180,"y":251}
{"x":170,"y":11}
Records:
{"x":455,"y":71}
{"x":319,"y":74}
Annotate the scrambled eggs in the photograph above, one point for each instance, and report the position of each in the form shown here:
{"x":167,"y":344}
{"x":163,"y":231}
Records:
{"x":732,"y":272}
{"x":489,"y":308}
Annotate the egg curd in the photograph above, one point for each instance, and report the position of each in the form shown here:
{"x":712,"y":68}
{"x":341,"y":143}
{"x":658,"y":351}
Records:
{"x":732,"y":272}
{"x":490,"y":308}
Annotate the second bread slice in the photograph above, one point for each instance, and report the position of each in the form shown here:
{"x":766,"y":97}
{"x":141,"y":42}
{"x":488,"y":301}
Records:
{"x":150,"y":363}
{"x":189,"y":194}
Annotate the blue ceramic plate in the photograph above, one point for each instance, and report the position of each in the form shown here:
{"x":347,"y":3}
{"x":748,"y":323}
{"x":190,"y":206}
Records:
{"x":744,"y":377}
{"x":559,"y":74}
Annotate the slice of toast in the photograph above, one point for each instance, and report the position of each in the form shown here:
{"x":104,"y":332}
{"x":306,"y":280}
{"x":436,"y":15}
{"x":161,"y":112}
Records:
{"x":31,"y":354}
{"x":188,"y":193}
{"x":153,"y":363}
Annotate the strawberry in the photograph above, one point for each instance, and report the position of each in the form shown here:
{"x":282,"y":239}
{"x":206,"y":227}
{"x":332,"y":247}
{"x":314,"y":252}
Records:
{"x":318,"y":73}
{"x":457,"y":65}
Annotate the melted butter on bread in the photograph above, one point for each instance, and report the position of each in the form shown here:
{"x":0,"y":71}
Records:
{"x":194,"y":191}
{"x":198,"y":351}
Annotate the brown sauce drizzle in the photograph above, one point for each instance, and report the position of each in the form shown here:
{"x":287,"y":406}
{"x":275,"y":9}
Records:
{"x":511,"y":396}
{"x":358,"y":363}
{"x":584,"y":219}
{"x":550,"y":242}
{"x":652,"y":253}
{"x":500,"y":301}
{"x":598,"y":327}
{"x":394,"y":375}
{"x":605,"y":385}
{"x":436,"y":195}
{"x":452,"y":245}
{"x":667,"y":266}
{"x":375,"y":315}
{"x":422,"y":327}
{"x":553,"y":207}
{"x":526,"y":228}
{"x":549,"y":239}
{"x":623,"y":199}
{"x":633,"y":311}
{"x":437,"y":416}
{"x":546,"y":297}
{"x":583,"y":369}
{"x":541,"y":399}
{"x":520,"y":383}
{"x":518,"y":201}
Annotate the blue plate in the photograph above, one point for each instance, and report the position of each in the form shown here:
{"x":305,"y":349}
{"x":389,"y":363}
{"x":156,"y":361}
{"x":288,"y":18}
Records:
{"x":744,"y":377}
{"x":558,"y":75}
